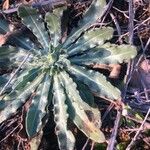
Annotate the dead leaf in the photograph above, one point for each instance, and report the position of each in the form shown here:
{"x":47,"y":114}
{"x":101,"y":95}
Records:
{"x":141,"y":76}
{"x":145,"y":65}
{"x":2,"y":39}
{"x":113,"y":68}
{"x":144,"y":70}
{"x":6,"y":5}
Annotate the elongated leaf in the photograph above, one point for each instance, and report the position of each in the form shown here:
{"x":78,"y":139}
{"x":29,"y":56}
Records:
{"x":2,"y":104}
{"x":54,"y":28}
{"x":12,"y":53}
{"x":6,"y":50}
{"x":25,"y":43}
{"x":54,"y":24}
{"x":18,"y":84}
{"x":77,"y":110}
{"x":5,"y":54}
{"x":106,"y":54}
{"x":32,"y":19}
{"x":12,"y":107}
{"x":85,"y":92}
{"x":4,"y":26}
{"x":91,"y":39}
{"x":96,"y":82}
{"x":8,"y":56}
{"x":3,"y":81}
{"x":94,"y":12}
{"x":25,"y":78}
{"x":89,"y":104}
{"x":37,"y":109}
{"x":65,"y":137}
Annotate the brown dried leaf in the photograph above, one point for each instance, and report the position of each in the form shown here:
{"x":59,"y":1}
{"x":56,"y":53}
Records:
{"x":144,"y":70}
{"x":6,"y":5}
{"x":2,"y":39}
{"x":113,"y":68}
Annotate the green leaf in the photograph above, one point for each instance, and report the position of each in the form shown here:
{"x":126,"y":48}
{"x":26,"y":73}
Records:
{"x":94,"y":12}
{"x":21,"y":81}
{"x":2,"y":104}
{"x":77,"y":108}
{"x":90,"y":39}
{"x":106,"y":54}
{"x":88,"y":103}
{"x":14,"y":105}
{"x":53,"y":21}
{"x":85,"y":93}
{"x":96,"y":82}
{"x":4,"y":26}
{"x":25,"y":43}
{"x":6,"y":50}
{"x":121,"y":146}
{"x":33,"y":20}
{"x":54,"y":28}
{"x":3,"y":80}
{"x":25,"y":78}
{"x":11,"y":56}
{"x":37,"y":109}
{"x":65,"y":137}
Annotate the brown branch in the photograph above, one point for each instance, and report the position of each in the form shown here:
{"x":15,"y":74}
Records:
{"x":112,"y":140}
{"x":138,"y":132}
{"x":50,"y":3}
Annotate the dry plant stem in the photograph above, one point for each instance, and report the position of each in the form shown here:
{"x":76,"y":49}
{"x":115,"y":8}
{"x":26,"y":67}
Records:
{"x":13,"y":75}
{"x":111,"y":143}
{"x":144,"y":86}
{"x":131,"y":21}
{"x":136,"y":27}
{"x":141,"y":78}
{"x":107,"y":111}
{"x":138,"y":132}
{"x":146,"y":125}
{"x":146,"y":46}
{"x":109,"y":100}
{"x":107,"y":10}
{"x":116,"y":24}
{"x":131,"y":34}
{"x":131,"y":130}
{"x":51,"y":3}
{"x":124,"y":13}
{"x":146,"y":140}
{"x":84,"y":147}
{"x":10,"y":133}
{"x":92,"y":146}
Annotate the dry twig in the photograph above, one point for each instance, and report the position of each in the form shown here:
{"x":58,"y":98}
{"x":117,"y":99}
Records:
{"x":138,"y":132}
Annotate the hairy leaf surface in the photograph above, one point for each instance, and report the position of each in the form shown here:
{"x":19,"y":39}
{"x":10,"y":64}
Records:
{"x":96,"y":82}
{"x":4,"y":26}
{"x":33,"y":20}
{"x":37,"y":109}
{"x":65,"y":137}
{"x":106,"y":54}
{"x":12,"y":107}
{"x":96,"y":9}
{"x":54,"y":24}
{"x":77,"y":111}
{"x":90,"y":39}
